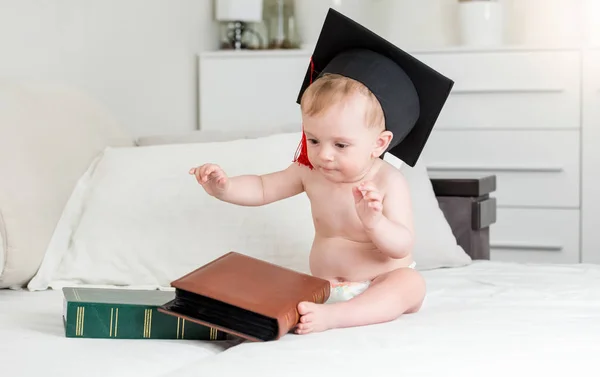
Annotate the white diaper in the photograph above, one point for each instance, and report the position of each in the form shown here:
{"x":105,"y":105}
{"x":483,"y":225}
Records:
{"x":344,"y":291}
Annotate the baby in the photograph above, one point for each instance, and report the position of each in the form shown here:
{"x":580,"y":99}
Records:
{"x":360,"y":204}
{"x":368,"y":98}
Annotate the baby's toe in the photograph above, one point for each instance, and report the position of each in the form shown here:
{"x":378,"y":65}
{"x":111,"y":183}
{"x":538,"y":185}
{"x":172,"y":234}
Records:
{"x":305,"y":307}
{"x":303,"y":328}
{"x":307,"y":318}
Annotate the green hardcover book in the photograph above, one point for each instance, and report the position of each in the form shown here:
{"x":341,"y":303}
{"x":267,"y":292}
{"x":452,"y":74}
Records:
{"x":127,"y":314}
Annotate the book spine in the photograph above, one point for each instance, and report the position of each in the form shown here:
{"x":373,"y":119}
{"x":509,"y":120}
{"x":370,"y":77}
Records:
{"x":97,"y":320}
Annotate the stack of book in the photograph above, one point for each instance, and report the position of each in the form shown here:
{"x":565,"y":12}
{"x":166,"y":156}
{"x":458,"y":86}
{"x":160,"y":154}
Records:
{"x":233,"y":297}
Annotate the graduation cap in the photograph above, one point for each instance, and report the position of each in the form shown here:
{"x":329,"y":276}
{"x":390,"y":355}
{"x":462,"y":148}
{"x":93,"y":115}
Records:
{"x":410,"y":93}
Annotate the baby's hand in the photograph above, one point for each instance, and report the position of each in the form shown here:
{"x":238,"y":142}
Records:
{"x":212,"y":178}
{"x":368,"y":203}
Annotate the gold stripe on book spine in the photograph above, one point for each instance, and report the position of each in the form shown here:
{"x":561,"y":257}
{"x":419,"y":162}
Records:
{"x":116,"y":321}
{"x":178,"y":320}
{"x":111,"y":323}
{"x":150,"y":324}
{"x":79,"y":321}
{"x":145,"y":335}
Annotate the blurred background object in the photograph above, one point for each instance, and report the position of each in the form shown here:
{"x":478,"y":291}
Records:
{"x":281,"y":24}
{"x":235,"y":17}
{"x":480,"y":22}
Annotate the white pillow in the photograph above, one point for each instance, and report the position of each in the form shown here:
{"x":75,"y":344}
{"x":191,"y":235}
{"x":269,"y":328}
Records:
{"x":139,"y":219}
{"x":49,"y":135}
{"x":206,"y":136}
{"x":145,"y":221}
{"x":435,"y":245}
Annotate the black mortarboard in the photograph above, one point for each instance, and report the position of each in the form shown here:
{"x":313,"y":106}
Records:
{"x":411,"y":93}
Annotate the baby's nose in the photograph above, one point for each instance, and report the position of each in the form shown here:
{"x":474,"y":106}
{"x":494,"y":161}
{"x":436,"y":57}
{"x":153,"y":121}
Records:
{"x":325,"y":155}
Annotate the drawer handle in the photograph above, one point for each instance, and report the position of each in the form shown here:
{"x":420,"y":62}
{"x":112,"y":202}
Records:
{"x":516,"y":169}
{"x":525,"y":246}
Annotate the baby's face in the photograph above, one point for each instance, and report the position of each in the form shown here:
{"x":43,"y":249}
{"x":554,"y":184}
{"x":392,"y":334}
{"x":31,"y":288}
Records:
{"x":340,"y":145}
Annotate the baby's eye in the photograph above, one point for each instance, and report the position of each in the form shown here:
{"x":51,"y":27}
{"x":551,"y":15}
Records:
{"x":342,"y":146}
{"x":312,"y":141}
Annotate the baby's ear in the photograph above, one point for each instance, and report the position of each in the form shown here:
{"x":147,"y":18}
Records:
{"x":383,"y":140}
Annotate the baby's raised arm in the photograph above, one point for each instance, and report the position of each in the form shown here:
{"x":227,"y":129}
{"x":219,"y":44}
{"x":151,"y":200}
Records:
{"x":249,"y":190}
{"x":394,"y":233}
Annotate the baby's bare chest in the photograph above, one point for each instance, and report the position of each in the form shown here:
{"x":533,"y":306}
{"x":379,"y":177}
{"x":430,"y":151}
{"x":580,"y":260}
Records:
{"x":334,"y":212}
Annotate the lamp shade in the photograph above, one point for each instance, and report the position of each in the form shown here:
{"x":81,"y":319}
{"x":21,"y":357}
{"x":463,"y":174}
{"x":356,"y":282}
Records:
{"x":239,"y":10}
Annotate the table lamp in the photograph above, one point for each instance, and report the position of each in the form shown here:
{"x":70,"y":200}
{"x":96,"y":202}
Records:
{"x":238,"y":13}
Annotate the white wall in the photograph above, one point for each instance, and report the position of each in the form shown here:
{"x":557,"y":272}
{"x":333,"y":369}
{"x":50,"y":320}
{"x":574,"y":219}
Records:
{"x":415,"y":23}
{"x":433,"y":23}
{"x":136,"y":56}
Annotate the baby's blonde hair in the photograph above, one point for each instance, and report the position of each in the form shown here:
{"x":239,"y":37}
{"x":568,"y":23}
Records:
{"x":331,"y":88}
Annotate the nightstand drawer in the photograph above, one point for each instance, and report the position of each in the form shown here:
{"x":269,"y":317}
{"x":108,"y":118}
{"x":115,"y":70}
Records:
{"x":532,"y":168}
{"x":539,"y":89}
{"x":535,"y":236}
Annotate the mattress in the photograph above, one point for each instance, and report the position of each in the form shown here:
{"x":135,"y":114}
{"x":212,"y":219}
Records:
{"x":486,"y":319}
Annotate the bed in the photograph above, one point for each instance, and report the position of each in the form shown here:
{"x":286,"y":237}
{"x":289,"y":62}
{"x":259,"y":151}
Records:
{"x":486,"y":319}
{"x":83,"y":203}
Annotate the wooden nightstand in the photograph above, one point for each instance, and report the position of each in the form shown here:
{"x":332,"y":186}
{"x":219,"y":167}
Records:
{"x":469,"y":209}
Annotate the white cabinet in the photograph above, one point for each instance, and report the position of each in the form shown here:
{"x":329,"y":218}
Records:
{"x":591,"y":158}
{"x":533,"y":168}
{"x":535,"y":235}
{"x":515,"y":113}
{"x":508,"y":90}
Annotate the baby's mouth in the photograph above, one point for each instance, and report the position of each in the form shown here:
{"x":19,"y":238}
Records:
{"x":327,"y":169}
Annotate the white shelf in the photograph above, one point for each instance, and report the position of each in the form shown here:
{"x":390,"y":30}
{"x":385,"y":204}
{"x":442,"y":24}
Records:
{"x":421,"y":51}
{"x":254,"y":53}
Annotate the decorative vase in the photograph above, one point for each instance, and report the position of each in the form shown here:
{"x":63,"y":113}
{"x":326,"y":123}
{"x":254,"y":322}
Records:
{"x":480,"y":22}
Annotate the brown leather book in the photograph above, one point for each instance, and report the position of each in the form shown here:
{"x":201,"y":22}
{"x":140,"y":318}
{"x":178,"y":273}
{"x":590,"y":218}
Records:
{"x":244,"y":296}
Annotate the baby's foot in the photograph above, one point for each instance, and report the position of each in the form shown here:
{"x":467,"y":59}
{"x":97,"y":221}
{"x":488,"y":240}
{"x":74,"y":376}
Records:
{"x":315,"y":317}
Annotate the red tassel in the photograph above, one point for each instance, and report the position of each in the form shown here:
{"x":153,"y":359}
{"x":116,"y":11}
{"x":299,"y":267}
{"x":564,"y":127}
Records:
{"x":301,"y":155}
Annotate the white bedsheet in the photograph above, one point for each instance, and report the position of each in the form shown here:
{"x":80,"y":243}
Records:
{"x":32,"y":343}
{"x":488,"y":319}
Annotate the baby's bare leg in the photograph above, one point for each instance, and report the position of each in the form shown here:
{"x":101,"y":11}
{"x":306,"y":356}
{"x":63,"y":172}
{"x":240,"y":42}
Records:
{"x":388,"y":297}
